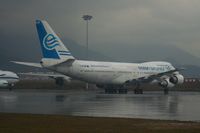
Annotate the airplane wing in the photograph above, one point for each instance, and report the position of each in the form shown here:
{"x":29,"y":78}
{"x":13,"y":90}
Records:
{"x":38,"y":65}
{"x":28,"y":64}
{"x":158,"y":76}
{"x":59,"y":78}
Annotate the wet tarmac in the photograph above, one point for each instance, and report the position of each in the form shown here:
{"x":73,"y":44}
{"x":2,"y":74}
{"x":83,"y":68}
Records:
{"x":154,"y":105}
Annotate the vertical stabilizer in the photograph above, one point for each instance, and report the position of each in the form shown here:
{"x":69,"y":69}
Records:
{"x":53,"y":49}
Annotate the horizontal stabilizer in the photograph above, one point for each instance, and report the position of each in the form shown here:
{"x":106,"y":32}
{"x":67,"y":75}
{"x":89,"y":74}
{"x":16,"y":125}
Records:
{"x":51,"y":75}
{"x":28,"y":64}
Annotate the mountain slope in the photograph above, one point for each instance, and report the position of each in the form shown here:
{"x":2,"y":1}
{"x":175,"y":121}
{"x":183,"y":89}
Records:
{"x":141,"y":53}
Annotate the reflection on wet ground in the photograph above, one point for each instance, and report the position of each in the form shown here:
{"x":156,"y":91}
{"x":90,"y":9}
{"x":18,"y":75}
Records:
{"x":155,"y":105}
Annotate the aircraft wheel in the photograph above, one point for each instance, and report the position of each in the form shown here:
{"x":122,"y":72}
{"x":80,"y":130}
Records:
{"x":59,"y":81}
{"x":166,"y":91}
{"x":110,"y":91}
{"x":10,"y":87}
{"x":138,"y":91}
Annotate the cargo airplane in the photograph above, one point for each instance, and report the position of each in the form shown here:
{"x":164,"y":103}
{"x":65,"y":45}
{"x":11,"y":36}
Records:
{"x":112,"y":76}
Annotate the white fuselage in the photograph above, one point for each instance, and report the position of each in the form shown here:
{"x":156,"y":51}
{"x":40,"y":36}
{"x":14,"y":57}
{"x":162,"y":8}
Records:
{"x":111,"y":72}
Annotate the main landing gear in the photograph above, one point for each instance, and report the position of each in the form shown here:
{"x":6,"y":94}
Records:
{"x":110,"y":89}
{"x":116,"y":91}
{"x":138,"y":90}
{"x":10,"y":87}
{"x":166,"y":91}
{"x":59,"y":81}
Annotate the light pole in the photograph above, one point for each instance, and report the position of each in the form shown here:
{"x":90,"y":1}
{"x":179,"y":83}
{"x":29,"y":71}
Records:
{"x":87,"y":18}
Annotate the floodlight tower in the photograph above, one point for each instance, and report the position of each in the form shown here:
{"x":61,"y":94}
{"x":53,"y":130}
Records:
{"x":87,"y":18}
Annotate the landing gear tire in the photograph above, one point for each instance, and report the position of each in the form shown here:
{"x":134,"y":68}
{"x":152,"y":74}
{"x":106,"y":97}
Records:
{"x":138,"y":91}
{"x":59,"y":81}
{"x":116,"y":91}
{"x":166,"y":91}
{"x":110,"y":91}
{"x":10,"y":87}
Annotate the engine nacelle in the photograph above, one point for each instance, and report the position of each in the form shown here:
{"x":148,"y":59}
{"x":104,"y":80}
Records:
{"x":3,"y":83}
{"x":177,"y":79}
{"x":166,"y":83}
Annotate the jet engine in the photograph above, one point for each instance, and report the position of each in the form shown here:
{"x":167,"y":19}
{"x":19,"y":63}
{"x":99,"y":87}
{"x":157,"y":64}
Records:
{"x":166,"y":83}
{"x":3,"y":83}
{"x":177,"y":79}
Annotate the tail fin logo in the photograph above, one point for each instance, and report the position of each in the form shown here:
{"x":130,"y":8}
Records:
{"x":50,"y":42}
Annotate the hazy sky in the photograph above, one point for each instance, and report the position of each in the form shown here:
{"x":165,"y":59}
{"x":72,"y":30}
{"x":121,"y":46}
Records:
{"x":116,"y":22}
